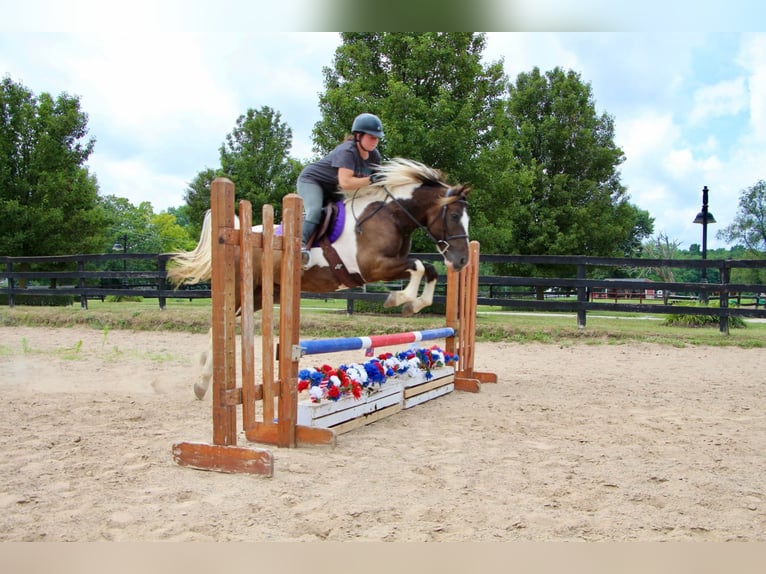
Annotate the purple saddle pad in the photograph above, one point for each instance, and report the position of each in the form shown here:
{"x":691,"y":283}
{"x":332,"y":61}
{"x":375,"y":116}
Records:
{"x":336,"y":228}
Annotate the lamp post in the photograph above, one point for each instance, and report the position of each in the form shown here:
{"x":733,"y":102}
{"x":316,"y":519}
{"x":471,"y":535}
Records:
{"x":704,"y":217}
{"x":124,"y":247}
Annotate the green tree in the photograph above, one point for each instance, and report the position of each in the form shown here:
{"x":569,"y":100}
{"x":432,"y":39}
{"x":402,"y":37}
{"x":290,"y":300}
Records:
{"x":130,"y":226}
{"x":435,"y":96}
{"x":256,"y":158}
{"x":661,"y":247}
{"x":197,"y":198}
{"x":172,"y":236}
{"x":555,"y":186}
{"x":749,"y":225}
{"x":48,"y":201}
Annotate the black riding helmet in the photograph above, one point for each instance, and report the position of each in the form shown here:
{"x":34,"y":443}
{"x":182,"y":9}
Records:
{"x":368,"y":124}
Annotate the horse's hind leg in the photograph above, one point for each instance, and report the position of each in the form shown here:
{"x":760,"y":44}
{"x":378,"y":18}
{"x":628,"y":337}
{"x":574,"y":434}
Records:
{"x":206,"y":375}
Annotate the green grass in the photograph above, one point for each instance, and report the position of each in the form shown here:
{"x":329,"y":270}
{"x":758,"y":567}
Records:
{"x":329,"y":319}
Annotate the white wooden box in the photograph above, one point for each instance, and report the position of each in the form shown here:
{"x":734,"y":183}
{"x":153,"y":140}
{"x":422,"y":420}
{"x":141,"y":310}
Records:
{"x":347,"y":412}
{"x":417,"y":389}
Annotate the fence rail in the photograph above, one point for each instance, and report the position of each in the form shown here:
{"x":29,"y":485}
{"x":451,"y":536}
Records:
{"x":98,"y":276}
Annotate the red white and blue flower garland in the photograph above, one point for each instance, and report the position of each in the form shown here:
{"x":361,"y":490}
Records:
{"x":326,"y":382}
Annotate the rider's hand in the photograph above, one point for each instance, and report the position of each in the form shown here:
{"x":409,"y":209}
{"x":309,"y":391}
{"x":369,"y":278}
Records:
{"x":376,"y":177}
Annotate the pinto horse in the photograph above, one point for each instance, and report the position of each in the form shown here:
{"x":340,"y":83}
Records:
{"x":374,"y":235}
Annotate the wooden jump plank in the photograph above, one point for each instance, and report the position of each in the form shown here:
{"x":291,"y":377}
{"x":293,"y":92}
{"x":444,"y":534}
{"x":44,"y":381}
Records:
{"x":428,"y":395}
{"x":367,"y":419}
{"x":413,"y":391}
{"x":222,"y":458}
{"x":268,"y":433}
{"x":348,"y":409}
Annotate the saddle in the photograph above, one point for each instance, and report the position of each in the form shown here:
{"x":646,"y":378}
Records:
{"x":326,"y":233}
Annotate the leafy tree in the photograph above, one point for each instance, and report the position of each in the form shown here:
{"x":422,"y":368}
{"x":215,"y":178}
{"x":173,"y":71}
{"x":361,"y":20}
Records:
{"x":256,"y":158}
{"x":171,"y":235}
{"x":48,"y":200}
{"x":137,"y":229}
{"x":749,"y":225}
{"x":553,"y":175}
{"x":198,"y":200}
{"x":661,"y":247}
{"x":435,"y":96}
{"x":181,"y":214}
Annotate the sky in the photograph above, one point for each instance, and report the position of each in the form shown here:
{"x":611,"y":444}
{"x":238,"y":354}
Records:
{"x":163,"y":83}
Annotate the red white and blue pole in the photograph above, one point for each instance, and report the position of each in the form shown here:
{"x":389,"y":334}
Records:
{"x":352,"y":343}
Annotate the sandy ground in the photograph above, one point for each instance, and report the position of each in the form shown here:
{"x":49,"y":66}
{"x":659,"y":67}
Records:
{"x":629,"y":442}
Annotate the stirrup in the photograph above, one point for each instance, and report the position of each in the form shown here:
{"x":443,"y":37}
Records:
{"x":305,"y":257}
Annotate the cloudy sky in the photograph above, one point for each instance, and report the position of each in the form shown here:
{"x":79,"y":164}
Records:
{"x":163,"y":84}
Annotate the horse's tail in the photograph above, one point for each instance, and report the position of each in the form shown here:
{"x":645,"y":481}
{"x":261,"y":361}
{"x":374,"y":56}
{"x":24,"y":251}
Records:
{"x":194,"y":266}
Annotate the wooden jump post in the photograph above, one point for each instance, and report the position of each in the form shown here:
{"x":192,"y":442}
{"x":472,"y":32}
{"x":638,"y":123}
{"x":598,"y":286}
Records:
{"x":238,"y":245}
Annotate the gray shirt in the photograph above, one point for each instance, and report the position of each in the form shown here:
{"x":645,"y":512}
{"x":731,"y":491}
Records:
{"x":325,"y":171}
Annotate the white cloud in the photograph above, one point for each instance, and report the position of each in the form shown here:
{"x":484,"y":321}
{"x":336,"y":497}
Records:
{"x":167,"y":16}
{"x":149,"y":90}
{"x":752,"y":58}
{"x":722,"y":99}
{"x":136,"y":180}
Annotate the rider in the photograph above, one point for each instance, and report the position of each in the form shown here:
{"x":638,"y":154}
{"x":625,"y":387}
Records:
{"x":349,"y":166}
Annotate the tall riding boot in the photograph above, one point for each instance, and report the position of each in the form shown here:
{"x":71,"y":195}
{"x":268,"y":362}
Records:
{"x":308,"y":229}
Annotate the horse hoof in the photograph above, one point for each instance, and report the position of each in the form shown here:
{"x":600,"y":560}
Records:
{"x":199,"y":391}
{"x":408,"y":310}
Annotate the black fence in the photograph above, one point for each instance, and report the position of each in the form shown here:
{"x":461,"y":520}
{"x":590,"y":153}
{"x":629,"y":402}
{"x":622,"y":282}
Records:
{"x":555,"y":283}
{"x":87,"y":277}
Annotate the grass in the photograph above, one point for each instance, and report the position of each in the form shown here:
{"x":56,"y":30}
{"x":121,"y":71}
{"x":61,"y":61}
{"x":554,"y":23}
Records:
{"x":321,"y":319}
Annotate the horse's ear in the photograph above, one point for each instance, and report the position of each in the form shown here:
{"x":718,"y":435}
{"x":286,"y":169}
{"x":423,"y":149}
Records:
{"x":459,"y":192}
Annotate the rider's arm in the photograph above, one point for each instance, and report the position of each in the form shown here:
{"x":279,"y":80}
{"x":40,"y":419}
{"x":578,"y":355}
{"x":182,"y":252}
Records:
{"x":346,"y":179}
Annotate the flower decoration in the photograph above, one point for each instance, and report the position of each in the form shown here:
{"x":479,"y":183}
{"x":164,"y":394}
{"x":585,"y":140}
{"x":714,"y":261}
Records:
{"x":326,"y":382}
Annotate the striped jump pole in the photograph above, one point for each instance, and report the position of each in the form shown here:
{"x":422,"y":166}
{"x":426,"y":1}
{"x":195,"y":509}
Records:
{"x":353,"y":343}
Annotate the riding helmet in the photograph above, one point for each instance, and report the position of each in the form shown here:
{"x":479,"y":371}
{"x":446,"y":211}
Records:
{"x":369,"y":124}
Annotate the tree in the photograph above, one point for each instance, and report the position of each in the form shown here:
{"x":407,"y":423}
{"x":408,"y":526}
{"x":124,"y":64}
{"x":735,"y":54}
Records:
{"x":172,"y":236}
{"x":137,"y":229}
{"x":256,"y":158}
{"x":197,"y":198}
{"x":433,"y":93}
{"x":436,"y":98}
{"x":48,"y":201}
{"x":661,"y":247}
{"x":749,"y":225}
{"x":552,"y":176}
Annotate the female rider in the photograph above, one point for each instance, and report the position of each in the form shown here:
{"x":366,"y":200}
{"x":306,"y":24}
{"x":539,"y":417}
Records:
{"x":349,"y":166}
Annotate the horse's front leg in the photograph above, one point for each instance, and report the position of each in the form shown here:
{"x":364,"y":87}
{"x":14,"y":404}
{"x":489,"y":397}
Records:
{"x":410,"y":292}
{"x":408,"y":297}
{"x":427,"y":296}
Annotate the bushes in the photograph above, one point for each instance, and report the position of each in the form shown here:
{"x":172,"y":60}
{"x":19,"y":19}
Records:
{"x":694,"y":320}
{"x":39,"y":300}
{"x":376,"y":307}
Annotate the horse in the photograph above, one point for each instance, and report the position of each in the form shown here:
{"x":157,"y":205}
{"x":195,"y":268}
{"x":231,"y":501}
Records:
{"x":373,"y":239}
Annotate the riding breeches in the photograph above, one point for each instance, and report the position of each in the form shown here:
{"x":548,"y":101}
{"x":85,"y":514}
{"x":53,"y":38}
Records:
{"x":312,"y":196}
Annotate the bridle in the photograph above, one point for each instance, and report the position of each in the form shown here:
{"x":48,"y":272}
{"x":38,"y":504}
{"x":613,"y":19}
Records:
{"x":442,"y":244}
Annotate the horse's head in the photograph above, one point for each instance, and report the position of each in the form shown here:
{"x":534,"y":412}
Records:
{"x":428,"y":202}
{"x":447,"y":223}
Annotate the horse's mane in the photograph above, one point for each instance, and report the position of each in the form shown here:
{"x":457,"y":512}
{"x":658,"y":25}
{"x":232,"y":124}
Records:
{"x":399,"y":172}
